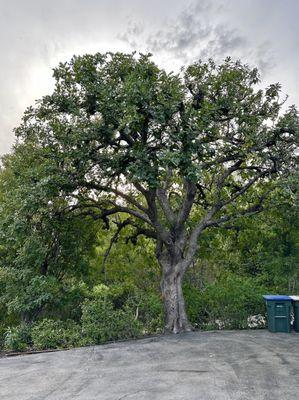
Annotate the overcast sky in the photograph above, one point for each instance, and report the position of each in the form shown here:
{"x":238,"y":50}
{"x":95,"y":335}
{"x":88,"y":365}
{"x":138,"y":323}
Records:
{"x":37,"y":34}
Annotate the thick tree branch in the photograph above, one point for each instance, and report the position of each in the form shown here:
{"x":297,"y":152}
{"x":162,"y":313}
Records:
{"x":195,"y":233}
{"x":190,"y":189}
{"x":162,"y":233}
{"x":88,"y":210}
{"x":135,"y":213}
{"x":164,"y":203}
{"x":139,"y":187}
{"x":141,"y":231}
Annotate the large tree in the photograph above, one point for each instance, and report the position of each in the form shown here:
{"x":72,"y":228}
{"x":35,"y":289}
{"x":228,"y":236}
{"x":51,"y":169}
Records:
{"x":174,"y":154}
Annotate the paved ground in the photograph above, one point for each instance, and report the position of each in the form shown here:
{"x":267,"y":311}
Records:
{"x":226,"y":365}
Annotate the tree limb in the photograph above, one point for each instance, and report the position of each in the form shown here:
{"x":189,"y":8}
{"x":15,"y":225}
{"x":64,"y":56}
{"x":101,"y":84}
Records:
{"x":128,"y":198}
{"x":113,"y":240}
{"x":164,"y":202}
{"x":190,"y":189}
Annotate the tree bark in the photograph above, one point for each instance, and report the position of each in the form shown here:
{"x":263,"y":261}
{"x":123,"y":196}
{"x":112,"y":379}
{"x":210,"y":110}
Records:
{"x":175,"y":316}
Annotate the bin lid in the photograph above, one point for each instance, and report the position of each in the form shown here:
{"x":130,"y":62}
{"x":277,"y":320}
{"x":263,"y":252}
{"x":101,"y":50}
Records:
{"x":276,"y":297}
{"x":295,"y":298}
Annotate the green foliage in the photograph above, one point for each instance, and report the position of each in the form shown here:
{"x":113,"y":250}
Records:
{"x":51,"y":334}
{"x":41,"y":252}
{"x":146,"y":305}
{"x":127,"y":262}
{"x":150,"y":312}
{"x":26,"y":293}
{"x":101,"y":322}
{"x":263,"y":246}
{"x":17,"y":338}
{"x":69,"y":301}
{"x":2,"y":333}
{"x":227,"y":303}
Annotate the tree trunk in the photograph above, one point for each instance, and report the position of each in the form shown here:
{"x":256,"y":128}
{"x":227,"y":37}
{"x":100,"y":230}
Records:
{"x":176,"y":320}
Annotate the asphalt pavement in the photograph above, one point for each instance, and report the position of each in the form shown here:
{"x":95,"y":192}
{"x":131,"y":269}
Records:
{"x":218,"y":365}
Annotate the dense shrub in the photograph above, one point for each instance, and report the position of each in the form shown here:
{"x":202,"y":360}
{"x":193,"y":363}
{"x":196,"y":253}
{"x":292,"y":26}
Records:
{"x":101,"y":322}
{"x":150,"y":313}
{"x":121,"y":295}
{"x":111,"y":313}
{"x":146,"y":307}
{"x":122,"y":311}
{"x":71,"y":297}
{"x":17,"y":338}
{"x":50,"y":334}
{"x":26,"y":294}
{"x":228,"y":303}
{"x":2,"y":332}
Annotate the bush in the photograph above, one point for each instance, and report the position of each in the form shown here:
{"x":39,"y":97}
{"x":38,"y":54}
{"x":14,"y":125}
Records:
{"x":228,"y":303}
{"x":2,"y":333}
{"x":101,"y":322}
{"x":150,"y":311}
{"x":120,"y":294}
{"x":147,"y":307}
{"x":27,"y":294}
{"x":71,"y":298}
{"x":17,"y":338}
{"x":51,"y":334}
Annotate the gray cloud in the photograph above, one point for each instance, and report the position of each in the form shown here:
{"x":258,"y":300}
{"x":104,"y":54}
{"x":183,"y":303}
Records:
{"x":36,"y":34}
{"x":133,"y":31}
{"x":195,"y":34}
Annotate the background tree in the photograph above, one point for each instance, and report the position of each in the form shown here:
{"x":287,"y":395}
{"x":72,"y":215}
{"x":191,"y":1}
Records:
{"x":42,"y":252}
{"x":174,"y":154}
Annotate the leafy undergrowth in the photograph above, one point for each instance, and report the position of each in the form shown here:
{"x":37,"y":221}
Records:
{"x":120,"y":312}
{"x":109,"y":314}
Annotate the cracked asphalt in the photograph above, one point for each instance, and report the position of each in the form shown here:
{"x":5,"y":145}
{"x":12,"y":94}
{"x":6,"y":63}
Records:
{"x":218,"y":365}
